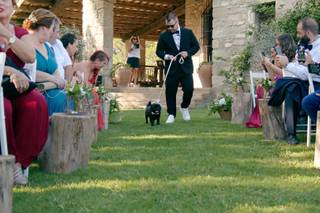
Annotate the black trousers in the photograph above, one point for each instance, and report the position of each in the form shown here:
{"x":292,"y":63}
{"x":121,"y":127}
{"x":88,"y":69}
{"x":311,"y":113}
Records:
{"x":172,"y":84}
{"x":292,"y":110}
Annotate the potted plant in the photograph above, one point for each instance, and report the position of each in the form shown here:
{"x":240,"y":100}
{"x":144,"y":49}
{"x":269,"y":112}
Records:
{"x":221,"y":105}
{"x":205,"y":74}
{"x":236,"y":77}
{"x":120,"y":74}
{"x":115,"y":115}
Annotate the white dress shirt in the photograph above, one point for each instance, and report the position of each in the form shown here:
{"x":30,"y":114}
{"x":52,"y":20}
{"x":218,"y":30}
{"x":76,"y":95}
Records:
{"x":62,"y":56}
{"x":176,"y":38}
{"x":296,"y":70}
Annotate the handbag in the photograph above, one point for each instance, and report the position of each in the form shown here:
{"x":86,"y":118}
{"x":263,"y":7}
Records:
{"x":9,"y":89}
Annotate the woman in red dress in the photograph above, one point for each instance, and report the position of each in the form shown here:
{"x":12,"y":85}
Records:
{"x":26,"y":115}
{"x":88,"y":72}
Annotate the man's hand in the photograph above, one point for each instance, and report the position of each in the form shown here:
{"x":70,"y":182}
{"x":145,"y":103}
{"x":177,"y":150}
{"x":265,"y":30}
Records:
{"x":308,"y":59}
{"x":281,"y":61}
{"x":170,"y":57}
{"x":20,"y":81}
{"x":265,"y":61}
{"x":184,"y":54}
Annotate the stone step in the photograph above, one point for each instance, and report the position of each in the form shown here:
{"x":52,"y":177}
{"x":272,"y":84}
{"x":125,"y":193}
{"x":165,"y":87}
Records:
{"x":137,"y":98}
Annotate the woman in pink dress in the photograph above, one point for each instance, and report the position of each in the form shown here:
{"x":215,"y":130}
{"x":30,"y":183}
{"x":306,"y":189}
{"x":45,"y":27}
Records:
{"x":88,"y":71}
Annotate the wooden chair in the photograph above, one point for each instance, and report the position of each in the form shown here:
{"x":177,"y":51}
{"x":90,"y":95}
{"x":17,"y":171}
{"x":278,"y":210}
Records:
{"x":3,"y":134}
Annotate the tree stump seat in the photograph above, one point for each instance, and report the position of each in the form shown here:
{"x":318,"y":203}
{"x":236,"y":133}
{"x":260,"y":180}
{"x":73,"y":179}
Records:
{"x":69,"y":141}
{"x":272,"y":122}
{"x":6,"y":183}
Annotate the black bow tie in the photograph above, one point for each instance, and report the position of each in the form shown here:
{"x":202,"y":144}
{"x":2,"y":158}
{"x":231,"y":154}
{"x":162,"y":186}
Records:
{"x":176,"y":32}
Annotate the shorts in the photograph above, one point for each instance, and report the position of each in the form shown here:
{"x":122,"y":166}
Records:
{"x":133,"y":62}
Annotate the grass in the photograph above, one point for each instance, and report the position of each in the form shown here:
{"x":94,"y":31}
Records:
{"x":207,"y":165}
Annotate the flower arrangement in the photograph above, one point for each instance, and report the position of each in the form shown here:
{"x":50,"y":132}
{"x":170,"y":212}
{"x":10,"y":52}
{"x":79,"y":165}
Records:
{"x":77,"y":93}
{"x":222,"y":103}
{"x":267,"y":85}
{"x":101,"y":91}
{"x":114,"y":105}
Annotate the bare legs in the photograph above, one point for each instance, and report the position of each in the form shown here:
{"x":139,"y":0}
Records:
{"x":134,"y":76}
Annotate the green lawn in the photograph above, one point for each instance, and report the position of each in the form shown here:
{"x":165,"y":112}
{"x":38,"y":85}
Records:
{"x":207,"y":165}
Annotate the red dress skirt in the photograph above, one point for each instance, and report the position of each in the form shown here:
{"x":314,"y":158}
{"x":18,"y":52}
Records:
{"x":27,"y":126}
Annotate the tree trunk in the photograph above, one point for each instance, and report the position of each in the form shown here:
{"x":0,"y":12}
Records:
{"x":317,"y":145}
{"x":272,"y":122}
{"x":241,"y":108}
{"x":68,"y":144}
{"x":6,"y":183}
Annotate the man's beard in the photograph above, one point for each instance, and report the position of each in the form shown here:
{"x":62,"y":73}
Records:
{"x":305,"y":40}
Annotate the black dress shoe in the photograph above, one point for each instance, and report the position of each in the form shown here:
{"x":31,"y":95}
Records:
{"x":292,"y":140}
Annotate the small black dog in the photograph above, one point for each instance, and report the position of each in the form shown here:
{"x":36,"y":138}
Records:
{"x":153,"y":112}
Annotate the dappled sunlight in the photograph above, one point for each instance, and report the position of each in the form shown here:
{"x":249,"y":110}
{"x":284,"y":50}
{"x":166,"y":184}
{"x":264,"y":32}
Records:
{"x":123,"y":163}
{"x":289,"y":207}
{"x":151,"y":137}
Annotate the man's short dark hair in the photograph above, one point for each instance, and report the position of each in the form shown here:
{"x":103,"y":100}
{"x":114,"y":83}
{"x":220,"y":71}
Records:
{"x":310,"y":24}
{"x":68,"y":38}
{"x":171,"y":16}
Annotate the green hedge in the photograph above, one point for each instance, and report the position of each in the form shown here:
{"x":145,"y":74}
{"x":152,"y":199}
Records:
{"x":288,"y":22}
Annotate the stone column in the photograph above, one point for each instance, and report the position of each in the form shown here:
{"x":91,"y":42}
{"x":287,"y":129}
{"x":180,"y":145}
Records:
{"x":97,"y":27}
{"x":142,"y":58}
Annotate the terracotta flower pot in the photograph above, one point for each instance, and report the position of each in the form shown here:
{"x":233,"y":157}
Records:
{"x":123,"y":77}
{"x":205,"y":75}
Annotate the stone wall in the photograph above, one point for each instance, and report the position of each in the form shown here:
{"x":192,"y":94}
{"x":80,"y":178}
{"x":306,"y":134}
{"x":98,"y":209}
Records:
{"x":284,"y":5}
{"x":231,"y":20}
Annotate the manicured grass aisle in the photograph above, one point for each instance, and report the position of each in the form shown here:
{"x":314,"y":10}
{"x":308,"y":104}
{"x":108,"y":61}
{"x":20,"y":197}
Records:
{"x":207,"y":165}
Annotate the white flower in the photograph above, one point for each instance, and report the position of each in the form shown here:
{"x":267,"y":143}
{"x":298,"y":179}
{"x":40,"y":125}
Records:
{"x":239,"y":80}
{"x":222,"y":101}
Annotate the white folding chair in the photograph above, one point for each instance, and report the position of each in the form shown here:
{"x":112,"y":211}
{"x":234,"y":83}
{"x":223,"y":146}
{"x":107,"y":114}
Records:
{"x":311,"y":90}
{"x":3,"y":133}
{"x":255,"y":75}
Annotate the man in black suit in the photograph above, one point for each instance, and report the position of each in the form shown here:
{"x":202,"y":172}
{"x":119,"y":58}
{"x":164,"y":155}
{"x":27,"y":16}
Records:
{"x":171,"y":42}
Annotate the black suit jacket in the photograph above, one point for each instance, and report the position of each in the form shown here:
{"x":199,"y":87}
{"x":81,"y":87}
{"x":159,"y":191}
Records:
{"x":188,"y":42}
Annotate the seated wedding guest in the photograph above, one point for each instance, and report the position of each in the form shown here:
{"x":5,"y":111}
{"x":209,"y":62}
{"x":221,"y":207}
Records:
{"x":40,"y":25}
{"x":293,"y":87}
{"x":89,"y":71}
{"x":285,"y":45}
{"x":62,"y":57}
{"x":25,"y":139}
{"x":70,"y":43}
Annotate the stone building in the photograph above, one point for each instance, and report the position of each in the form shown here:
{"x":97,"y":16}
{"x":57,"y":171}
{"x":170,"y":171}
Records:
{"x":219,"y":25}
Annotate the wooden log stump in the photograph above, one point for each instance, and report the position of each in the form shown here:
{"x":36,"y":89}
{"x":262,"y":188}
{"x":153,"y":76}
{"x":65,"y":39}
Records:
{"x":241,"y":108}
{"x":6,"y":183}
{"x":272,"y":122}
{"x":317,"y":145}
{"x":94,"y":116}
{"x":105,"y":111}
{"x":68,"y":144}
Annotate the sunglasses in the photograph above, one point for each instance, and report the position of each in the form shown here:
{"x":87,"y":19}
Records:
{"x":171,"y":26}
